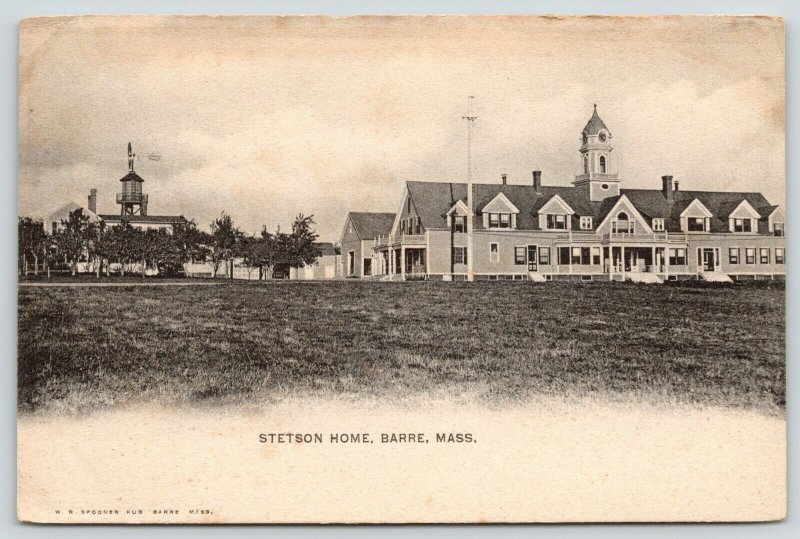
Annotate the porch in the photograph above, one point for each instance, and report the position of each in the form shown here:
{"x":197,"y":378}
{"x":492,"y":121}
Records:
{"x":401,"y":263}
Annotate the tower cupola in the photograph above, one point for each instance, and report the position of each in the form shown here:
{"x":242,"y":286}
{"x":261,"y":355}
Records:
{"x":596,"y":177}
{"x":131,"y":200}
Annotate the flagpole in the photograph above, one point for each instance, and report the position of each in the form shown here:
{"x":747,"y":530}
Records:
{"x":470,"y":122}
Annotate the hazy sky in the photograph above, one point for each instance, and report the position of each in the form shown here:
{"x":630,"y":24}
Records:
{"x":266,"y":118}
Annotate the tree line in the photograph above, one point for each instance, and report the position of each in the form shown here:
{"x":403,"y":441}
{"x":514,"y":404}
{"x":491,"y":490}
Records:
{"x":79,"y":239}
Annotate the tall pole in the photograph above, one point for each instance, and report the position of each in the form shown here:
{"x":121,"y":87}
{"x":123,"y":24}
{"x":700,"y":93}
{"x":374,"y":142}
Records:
{"x":470,"y":123}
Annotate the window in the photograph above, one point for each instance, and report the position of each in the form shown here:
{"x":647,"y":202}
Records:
{"x":55,"y":227}
{"x":623,"y":224}
{"x":742,"y":225}
{"x":585,"y":164}
{"x":696,"y":224}
{"x":764,"y":255}
{"x":586,"y":223}
{"x":556,"y":221}
{"x":563,"y":256}
{"x":576,"y":255}
{"x":777,"y":229}
{"x":408,"y":204}
{"x":750,"y":255}
{"x":604,"y":187}
{"x":733,"y":255}
{"x":658,"y":225}
{"x":459,"y":223}
{"x":677,"y":257}
{"x":494,"y":252}
{"x":459,"y":255}
{"x":780,"y":255}
{"x":544,"y":256}
{"x":596,"y":256}
{"x":602,"y":164}
{"x":419,"y":226}
{"x":499,"y":220}
{"x":519,"y":256}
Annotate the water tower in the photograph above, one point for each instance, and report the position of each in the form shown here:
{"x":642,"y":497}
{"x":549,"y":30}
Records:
{"x":131,"y":200}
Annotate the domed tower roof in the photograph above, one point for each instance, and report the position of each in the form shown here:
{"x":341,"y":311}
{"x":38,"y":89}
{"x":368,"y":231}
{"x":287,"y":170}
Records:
{"x":595,"y":124}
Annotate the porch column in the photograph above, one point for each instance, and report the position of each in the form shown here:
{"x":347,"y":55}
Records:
{"x":391,"y":261}
{"x":653,"y":259}
{"x":666,"y":257}
{"x":623,"y":259}
{"x":403,"y":261}
{"x":610,"y":262}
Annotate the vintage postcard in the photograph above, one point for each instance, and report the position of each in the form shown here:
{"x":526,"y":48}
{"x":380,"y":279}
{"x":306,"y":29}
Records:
{"x":404,"y":269}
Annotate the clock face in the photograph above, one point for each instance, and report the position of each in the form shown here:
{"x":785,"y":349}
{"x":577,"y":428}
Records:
{"x":602,"y":137}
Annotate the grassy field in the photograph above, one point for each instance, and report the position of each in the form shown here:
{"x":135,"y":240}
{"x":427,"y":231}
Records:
{"x":497,"y":343}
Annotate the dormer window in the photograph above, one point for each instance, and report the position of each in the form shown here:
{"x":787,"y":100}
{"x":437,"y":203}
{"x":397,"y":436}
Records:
{"x":459,"y":223}
{"x":658,"y":225}
{"x":623,"y":224}
{"x":777,"y":229}
{"x":696,"y":224}
{"x":586,"y":222}
{"x":556,"y":221}
{"x":742,"y":225}
{"x":499,"y":220}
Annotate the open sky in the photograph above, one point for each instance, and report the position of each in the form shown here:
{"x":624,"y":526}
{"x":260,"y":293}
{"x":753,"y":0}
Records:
{"x":266,"y":118}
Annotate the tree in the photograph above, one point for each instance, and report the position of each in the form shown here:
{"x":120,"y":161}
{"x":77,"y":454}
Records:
{"x":121,"y":244}
{"x":192,"y":244}
{"x":31,"y":241}
{"x":223,"y":240}
{"x":299,"y":248}
{"x":72,"y":240}
{"x":256,"y":252}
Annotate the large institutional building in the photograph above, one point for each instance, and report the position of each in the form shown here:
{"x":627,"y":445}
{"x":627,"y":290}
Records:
{"x":594,"y":230}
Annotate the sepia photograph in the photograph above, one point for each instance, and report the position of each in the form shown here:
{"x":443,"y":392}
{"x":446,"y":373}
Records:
{"x":401,"y":269}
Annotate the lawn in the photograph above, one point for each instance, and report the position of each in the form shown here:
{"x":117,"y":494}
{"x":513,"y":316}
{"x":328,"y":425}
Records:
{"x":82,"y":348}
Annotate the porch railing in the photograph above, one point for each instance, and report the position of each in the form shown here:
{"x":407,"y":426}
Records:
{"x":626,"y":237}
{"x":400,"y":239}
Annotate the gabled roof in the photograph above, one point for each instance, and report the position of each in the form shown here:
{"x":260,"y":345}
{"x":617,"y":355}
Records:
{"x":726,"y":209}
{"x":555,"y":199}
{"x":499,"y":200}
{"x":767,"y":211}
{"x":433,"y":200}
{"x":595,"y":124}
{"x":458,"y":208}
{"x":370,"y":225}
{"x":705,"y":212}
{"x":652,"y":204}
{"x":610,"y":207}
{"x":63,"y":211}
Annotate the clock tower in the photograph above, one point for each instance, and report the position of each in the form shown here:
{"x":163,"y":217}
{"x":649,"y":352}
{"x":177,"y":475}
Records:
{"x":596,"y":180}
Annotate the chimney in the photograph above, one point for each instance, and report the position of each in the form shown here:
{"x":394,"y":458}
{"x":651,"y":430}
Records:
{"x":93,"y":201}
{"x":504,"y":177}
{"x":537,"y":179}
{"x":666,"y":187}
{"x":676,"y":185}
